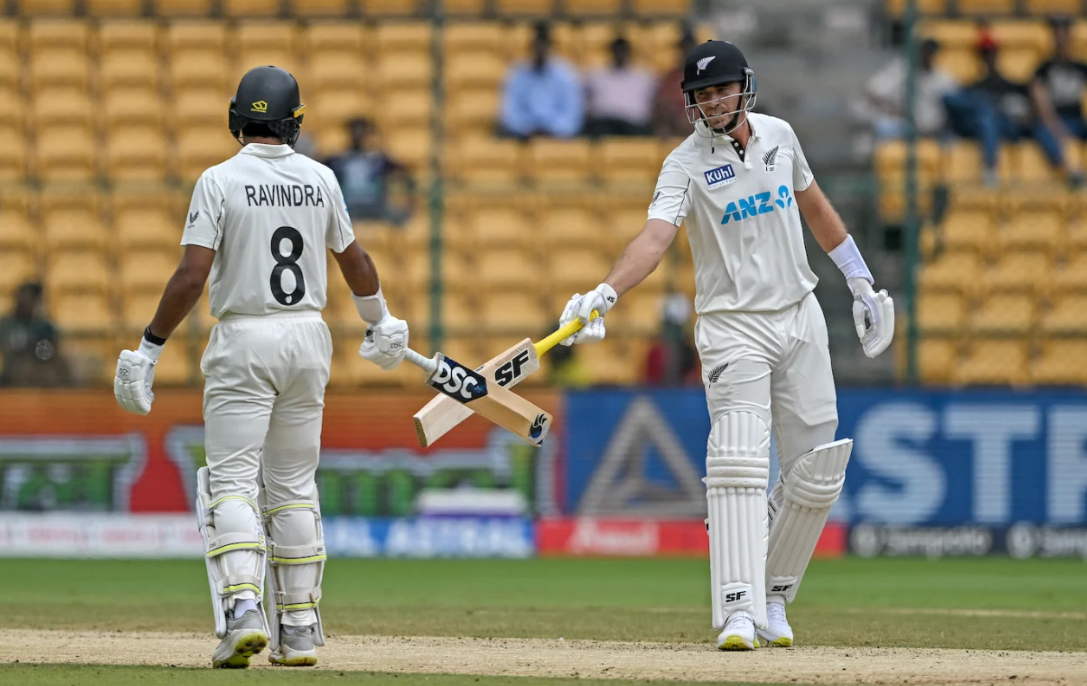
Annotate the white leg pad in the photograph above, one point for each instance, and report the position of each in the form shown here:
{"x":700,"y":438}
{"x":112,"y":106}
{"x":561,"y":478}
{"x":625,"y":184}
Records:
{"x":737,"y":468}
{"x":234,"y":548}
{"x":296,"y":563}
{"x":798,"y":509}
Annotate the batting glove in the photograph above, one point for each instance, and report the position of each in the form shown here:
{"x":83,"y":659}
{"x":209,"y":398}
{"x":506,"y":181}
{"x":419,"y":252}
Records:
{"x":134,"y":376}
{"x":873,"y":315}
{"x":601,"y":299}
{"x":386,"y":342}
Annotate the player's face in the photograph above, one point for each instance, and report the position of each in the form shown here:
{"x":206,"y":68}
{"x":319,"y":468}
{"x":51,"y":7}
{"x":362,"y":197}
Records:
{"x":720,"y":103}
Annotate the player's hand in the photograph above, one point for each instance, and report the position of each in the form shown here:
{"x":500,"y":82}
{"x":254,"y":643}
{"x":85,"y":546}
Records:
{"x":601,"y":299}
{"x":134,"y":376}
{"x":873,"y":315}
{"x":386,"y":342}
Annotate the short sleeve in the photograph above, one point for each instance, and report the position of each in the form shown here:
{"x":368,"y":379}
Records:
{"x":204,"y":223}
{"x":339,"y":233}
{"x":802,"y":174}
{"x":672,"y":197}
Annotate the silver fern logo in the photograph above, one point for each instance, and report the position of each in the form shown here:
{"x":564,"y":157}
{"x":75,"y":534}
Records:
{"x":770,"y":159}
{"x":716,"y":372}
{"x":705,"y":62}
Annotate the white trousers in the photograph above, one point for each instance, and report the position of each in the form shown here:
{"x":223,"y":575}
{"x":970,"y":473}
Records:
{"x":775,"y":365}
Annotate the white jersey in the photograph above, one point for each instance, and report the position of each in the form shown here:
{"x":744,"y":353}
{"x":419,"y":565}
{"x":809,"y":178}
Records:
{"x":268,"y":213}
{"x":741,"y":215}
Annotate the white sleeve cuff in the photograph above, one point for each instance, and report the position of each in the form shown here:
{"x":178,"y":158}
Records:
{"x":849,"y":260}
{"x":371,"y":308}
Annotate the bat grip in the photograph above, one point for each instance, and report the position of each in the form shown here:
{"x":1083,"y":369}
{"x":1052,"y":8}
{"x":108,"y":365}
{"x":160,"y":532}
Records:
{"x":427,"y":364}
{"x":562,"y":334}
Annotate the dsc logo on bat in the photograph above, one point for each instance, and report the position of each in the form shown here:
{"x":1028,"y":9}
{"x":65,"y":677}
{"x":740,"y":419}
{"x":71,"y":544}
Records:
{"x":458,"y":381}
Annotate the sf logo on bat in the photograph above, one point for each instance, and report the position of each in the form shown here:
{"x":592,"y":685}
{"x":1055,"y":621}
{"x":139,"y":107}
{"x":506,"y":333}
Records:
{"x":512,"y":369}
{"x":457,"y":381}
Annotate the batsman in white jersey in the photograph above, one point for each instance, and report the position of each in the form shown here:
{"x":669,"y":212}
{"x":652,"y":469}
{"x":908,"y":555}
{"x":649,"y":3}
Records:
{"x":259,"y":224}
{"x":741,"y":183}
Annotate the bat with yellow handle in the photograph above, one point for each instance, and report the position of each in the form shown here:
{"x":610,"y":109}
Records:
{"x":508,"y":369}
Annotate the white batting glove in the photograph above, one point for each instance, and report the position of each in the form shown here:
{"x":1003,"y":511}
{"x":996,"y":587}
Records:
{"x":386,"y":342}
{"x":134,"y":376}
{"x":601,"y":299}
{"x":873,"y":315}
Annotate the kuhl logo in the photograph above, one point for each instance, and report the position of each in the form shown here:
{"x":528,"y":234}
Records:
{"x":756,"y":204}
{"x":722,"y":176}
{"x":512,"y":369}
{"x":457,"y":381}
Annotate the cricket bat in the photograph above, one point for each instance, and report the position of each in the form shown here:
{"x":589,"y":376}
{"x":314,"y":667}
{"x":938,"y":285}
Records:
{"x":465,"y":387}
{"x":440,"y":415}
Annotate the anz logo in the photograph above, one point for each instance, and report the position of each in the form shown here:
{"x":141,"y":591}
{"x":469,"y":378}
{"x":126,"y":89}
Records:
{"x":757,"y":204}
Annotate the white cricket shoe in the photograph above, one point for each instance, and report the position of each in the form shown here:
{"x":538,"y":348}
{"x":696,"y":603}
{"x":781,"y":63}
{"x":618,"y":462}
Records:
{"x":777,"y":633}
{"x":245,"y":637}
{"x":296,"y":649}
{"x":739,"y":632}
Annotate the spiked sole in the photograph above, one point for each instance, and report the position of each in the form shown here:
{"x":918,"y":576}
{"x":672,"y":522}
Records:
{"x":737,"y":642}
{"x":783,"y":642}
{"x":246,"y":647}
{"x":297,"y":661}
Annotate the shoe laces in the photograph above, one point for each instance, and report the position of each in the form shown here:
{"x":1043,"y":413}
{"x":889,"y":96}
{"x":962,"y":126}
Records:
{"x":775,"y":612}
{"x":738,"y":619}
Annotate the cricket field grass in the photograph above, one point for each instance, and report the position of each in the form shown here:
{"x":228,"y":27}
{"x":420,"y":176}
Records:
{"x":550,"y":622}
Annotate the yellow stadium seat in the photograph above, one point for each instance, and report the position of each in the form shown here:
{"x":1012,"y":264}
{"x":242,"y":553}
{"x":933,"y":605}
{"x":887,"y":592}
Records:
{"x":473,"y":113}
{"x":16,"y":231}
{"x":72,"y":34}
{"x":183,"y":8}
{"x":389,"y":8}
{"x":1059,"y":7}
{"x":114,"y":8}
{"x":10,"y":69}
{"x":59,"y":67}
{"x":474,"y":70}
{"x":336,"y":70}
{"x":594,"y":8}
{"x":464,"y":7}
{"x":671,"y":8}
{"x":963,"y":162}
{"x":262,"y":35}
{"x":963,"y":64}
{"x":78,"y":272}
{"x":896,"y":8}
{"x":251,"y":8}
{"x":986,"y":7}
{"x":320,"y":8}
{"x":935,"y":359}
{"x":66,"y":153}
{"x":16,"y":268}
{"x":524,"y":7}
{"x":968,"y":230}
{"x":127,"y":106}
{"x":501,"y":225}
{"x":1076,"y":232}
{"x":613,"y":362}
{"x":565,"y":226}
{"x":1020,"y":33}
{"x":129,"y":67}
{"x":145,"y":227}
{"x":940,"y":312}
{"x":404,"y":70}
{"x":641,"y":313}
{"x":571,"y":268}
{"x":146,"y":270}
{"x":411,"y":149}
{"x":337,"y":37}
{"x":201,"y":69}
{"x":512,"y":311}
{"x":1018,"y":64}
{"x":332,"y":110}
{"x":405,"y":109}
{"x":1068,"y":315}
{"x":199,"y":107}
{"x":197,"y":35}
{"x":1021,"y":271}
{"x":10,"y":35}
{"x":74,"y":228}
{"x":176,"y":367}
{"x":13,"y":153}
{"x":1004,"y":313}
{"x":486,"y":160}
{"x":457,"y":271}
{"x":1031,"y":165}
{"x":136,"y":153}
{"x":56,"y":8}
{"x":126,"y":34}
{"x":1062,"y":362}
{"x":993,"y":362}
{"x":66,"y":105}
{"x":559,"y":160}
{"x":1042,"y":230}
{"x":473,"y":37}
{"x":78,"y":312}
{"x":402,"y":36}
{"x":138,"y":308}
{"x":624,"y":223}
{"x":622,"y":160}
{"x":1072,"y":275}
{"x":954,"y":271}
{"x":506,"y":269}
{"x":203,"y":147}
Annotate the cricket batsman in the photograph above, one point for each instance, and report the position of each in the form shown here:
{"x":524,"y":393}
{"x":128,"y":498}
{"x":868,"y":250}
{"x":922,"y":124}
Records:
{"x":258,"y":224}
{"x":741,"y":183}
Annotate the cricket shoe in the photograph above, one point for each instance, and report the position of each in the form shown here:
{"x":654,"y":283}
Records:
{"x":245,"y":637}
{"x":739,"y":633}
{"x":296,"y":649}
{"x":777,"y":633}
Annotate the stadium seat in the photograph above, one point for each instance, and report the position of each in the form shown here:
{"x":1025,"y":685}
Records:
{"x":390,"y":8}
{"x":896,"y":8}
{"x":16,"y":231}
{"x":406,"y":146}
{"x":114,"y":8}
{"x":472,"y":114}
{"x":254,"y":36}
{"x":564,"y":226}
{"x":320,"y":8}
{"x":78,"y":272}
{"x":251,"y":8}
{"x":1062,"y":362}
{"x":936,"y":357}
{"x":203,"y":147}
{"x":993,"y":362}
{"x":129,"y":67}
{"x":474,"y":70}
{"x":1018,"y":64}
{"x":412,"y":70}
{"x":146,"y":270}
{"x":402,"y":36}
{"x":473,"y":37}
{"x":486,"y":160}
{"x":1030,"y":164}
{"x":123,"y":107}
{"x":1076,"y":233}
{"x":986,"y":7}
{"x":613,"y":362}
{"x":78,"y":228}
{"x":659,"y":8}
{"x":145,"y":227}
{"x":41,"y":8}
{"x":197,"y":107}
{"x":16,"y":268}
{"x":566,"y":161}
{"x":501,"y":225}
{"x":1020,"y":271}
{"x":416,"y":274}
{"x":518,"y":8}
{"x":78,"y":312}
{"x":66,"y":153}
{"x":963,"y":162}
{"x":625,"y":160}
{"x":506,"y":269}
{"x":1068,"y":315}
{"x":336,"y":36}
{"x":335,"y":70}
{"x":968,"y":230}
{"x":65,"y":105}
{"x":516,"y":312}
{"x":592,"y":8}
{"x":127,"y":34}
{"x":1020,"y":33}
{"x":59,"y":67}
{"x":405,"y":108}
{"x":196,"y":35}
{"x":963,"y":64}
{"x":13,"y":151}
{"x":640,"y":315}
{"x":136,"y":153}
{"x":201,"y":69}
{"x":460,"y":8}
{"x":940,"y":312}
{"x":1059,"y":7}
{"x":954,"y":271}
{"x":1004,"y":313}
{"x":183,"y":8}
{"x":1071,"y":276}
{"x":1040,"y":230}
{"x":572,"y":269}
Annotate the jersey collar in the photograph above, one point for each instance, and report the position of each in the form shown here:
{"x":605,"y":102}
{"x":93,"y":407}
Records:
{"x":262,"y":150}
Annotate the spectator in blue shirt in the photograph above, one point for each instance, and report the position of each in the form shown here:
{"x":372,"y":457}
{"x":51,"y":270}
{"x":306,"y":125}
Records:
{"x":542,"y":97}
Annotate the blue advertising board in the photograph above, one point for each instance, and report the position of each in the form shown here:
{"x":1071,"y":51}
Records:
{"x":991,"y":457}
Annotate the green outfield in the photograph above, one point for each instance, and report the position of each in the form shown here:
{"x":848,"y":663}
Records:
{"x":975,"y":604}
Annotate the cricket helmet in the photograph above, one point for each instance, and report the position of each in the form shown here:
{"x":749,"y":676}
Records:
{"x":717,"y":63}
{"x":269,"y":96}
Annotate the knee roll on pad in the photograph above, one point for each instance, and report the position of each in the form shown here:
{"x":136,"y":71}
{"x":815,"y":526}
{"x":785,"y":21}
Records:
{"x":296,"y":562}
{"x":234,"y":549}
{"x":799,"y":509}
{"x":737,"y":468}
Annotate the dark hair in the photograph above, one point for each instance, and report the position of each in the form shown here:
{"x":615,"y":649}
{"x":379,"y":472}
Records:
{"x":32,"y":287}
{"x":620,"y":42}
{"x":258,"y":129}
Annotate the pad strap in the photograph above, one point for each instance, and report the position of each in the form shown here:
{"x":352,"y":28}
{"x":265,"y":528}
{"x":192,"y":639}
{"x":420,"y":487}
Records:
{"x":297,"y":554}
{"x":235,"y":583}
{"x":224,"y":543}
{"x":298,"y":601}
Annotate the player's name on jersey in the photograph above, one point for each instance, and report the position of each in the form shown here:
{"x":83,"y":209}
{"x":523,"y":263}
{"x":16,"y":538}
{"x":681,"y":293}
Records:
{"x":284,"y":195}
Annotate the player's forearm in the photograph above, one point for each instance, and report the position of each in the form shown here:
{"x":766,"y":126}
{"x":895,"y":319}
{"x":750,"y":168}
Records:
{"x":181,"y":294}
{"x":641,"y":257}
{"x":358,"y":270}
{"x":825,"y":223}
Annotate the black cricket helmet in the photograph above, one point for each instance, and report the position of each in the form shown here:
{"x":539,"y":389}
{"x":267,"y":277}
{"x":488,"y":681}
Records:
{"x":717,"y":63}
{"x":269,"y":96}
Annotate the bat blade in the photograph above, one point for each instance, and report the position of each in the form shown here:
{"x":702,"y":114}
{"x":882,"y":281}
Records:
{"x":442,"y":413}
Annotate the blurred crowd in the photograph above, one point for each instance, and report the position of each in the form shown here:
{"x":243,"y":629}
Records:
{"x":994,"y":109}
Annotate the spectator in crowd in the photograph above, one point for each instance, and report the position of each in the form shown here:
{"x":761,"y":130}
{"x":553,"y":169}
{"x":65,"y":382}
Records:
{"x":28,"y":343}
{"x":367,"y":174}
{"x":670,"y":107}
{"x":542,"y":97}
{"x":1058,"y":91}
{"x":620,"y":97}
{"x":672,"y":359}
{"x":886,"y":95}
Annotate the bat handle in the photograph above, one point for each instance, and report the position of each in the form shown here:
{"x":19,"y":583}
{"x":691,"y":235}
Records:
{"x":427,"y":364}
{"x":562,"y":334}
